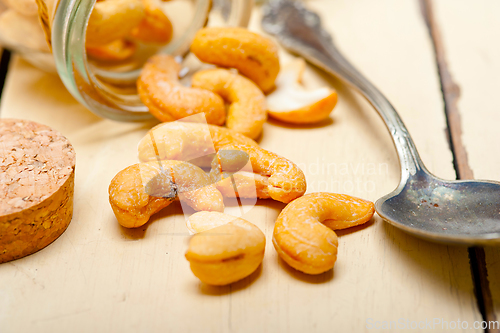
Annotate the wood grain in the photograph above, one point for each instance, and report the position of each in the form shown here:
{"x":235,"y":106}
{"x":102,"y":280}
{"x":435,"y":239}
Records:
{"x":474,"y":61}
{"x":100,"y":277}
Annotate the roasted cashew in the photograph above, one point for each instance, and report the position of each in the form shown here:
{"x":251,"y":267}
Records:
{"x":273,"y":176}
{"x":160,"y":90}
{"x":247,"y":110}
{"x":155,"y":27}
{"x":303,"y":234}
{"x":141,"y":190}
{"x":253,"y":55}
{"x":113,"y":19}
{"x":186,"y":141}
{"x":115,"y":51}
{"x":227,"y":253}
{"x":291,"y":103}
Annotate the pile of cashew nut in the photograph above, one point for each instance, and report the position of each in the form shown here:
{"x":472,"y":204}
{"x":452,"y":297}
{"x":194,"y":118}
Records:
{"x":201,"y":161}
{"x":114,"y":30}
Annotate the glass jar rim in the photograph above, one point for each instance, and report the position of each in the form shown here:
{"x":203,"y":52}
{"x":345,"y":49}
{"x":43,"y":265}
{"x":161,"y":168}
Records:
{"x":82,"y":79}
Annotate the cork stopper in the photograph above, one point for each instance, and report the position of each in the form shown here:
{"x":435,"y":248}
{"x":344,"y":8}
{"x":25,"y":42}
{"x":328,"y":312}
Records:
{"x":37,"y":166}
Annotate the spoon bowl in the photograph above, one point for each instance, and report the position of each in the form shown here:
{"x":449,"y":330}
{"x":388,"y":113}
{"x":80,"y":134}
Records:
{"x":458,"y":212}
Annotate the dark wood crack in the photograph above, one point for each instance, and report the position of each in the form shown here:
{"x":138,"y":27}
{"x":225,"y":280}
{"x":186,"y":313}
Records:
{"x":451,"y":95}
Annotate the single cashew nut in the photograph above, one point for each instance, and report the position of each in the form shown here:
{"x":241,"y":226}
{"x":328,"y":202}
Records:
{"x":118,"y":50}
{"x":303,"y":234}
{"x":247,"y":110}
{"x":251,"y":54}
{"x":291,"y":103}
{"x":112,"y":20}
{"x":139,"y":191}
{"x":227,"y":253}
{"x":272,"y":176}
{"x":155,"y":27}
{"x":186,"y":141}
{"x":160,"y":90}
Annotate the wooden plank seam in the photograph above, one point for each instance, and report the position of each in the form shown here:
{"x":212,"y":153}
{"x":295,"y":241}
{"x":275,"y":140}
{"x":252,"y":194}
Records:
{"x":4,"y":66}
{"x":451,"y":95}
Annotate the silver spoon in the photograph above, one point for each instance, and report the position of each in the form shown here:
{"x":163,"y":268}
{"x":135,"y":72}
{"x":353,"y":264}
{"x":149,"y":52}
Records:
{"x":459,"y":212}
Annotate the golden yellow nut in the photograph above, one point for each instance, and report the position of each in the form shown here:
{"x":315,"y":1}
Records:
{"x":247,"y":104}
{"x":275,"y":177}
{"x":118,"y":50}
{"x":168,"y":100}
{"x":155,"y":27}
{"x":303,"y":235}
{"x":253,"y":55}
{"x":141,"y":190}
{"x":112,"y":20}
{"x":186,"y":141}
{"x":227,"y":253}
{"x":291,"y":103}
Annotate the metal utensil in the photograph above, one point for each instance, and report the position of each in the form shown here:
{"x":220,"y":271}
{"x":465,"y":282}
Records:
{"x":460,"y":212}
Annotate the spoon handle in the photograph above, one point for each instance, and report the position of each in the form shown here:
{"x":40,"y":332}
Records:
{"x":300,"y":31}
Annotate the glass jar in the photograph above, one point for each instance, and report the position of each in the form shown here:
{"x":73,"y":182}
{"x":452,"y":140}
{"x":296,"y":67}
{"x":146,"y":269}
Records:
{"x":109,"y":91}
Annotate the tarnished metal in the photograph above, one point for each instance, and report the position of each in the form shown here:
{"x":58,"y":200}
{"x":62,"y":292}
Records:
{"x":457,"y":212}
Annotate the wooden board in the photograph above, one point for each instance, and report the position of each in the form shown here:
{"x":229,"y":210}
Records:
{"x":469,"y":31}
{"x":100,"y":277}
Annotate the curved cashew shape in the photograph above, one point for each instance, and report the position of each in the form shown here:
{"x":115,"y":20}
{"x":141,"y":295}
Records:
{"x":141,"y":190}
{"x":253,"y":55}
{"x":247,"y":110}
{"x":160,"y":90}
{"x":303,"y":234}
{"x":273,"y":176}
{"x":227,"y":253}
{"x":186,"y":141}
{"x":155,"y":27}
{"x":112,"y":20}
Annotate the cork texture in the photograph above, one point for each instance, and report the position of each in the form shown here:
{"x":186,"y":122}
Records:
{"x":37,"y":166}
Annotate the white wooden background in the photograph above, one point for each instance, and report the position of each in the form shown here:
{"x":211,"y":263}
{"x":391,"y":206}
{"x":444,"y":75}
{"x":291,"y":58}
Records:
{"x":102,"y":278}
{"x":471,"y":31}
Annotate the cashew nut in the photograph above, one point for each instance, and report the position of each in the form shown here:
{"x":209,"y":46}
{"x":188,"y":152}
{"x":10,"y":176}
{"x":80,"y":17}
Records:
{"x":115,"y":51}
{"x":253,"y":55}
{"x":273,"y":176}
{"x":160,"y":90}
{"x":112,"y":20}
{"x":186,"y":141}
{"x":227,"y":253}
{"x":155,"y":27}
{"x":247,"y":110}
{"x":303,"y":234}
{"x":203,"y":221}
{"x":291,"y":103}
{"x":139,"y":191}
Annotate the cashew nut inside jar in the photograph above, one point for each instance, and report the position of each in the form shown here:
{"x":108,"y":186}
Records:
{"x":100,"y":69}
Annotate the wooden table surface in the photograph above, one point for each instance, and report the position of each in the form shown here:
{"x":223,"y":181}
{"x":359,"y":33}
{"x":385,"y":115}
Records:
{"x":99,"y":277}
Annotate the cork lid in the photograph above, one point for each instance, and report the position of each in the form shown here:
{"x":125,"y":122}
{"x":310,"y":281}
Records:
{"x":35,"y":161}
